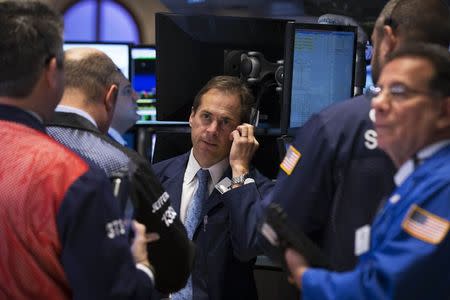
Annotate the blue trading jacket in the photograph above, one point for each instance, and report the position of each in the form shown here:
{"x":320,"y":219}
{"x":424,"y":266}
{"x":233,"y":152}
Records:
{"x":404,"y":261}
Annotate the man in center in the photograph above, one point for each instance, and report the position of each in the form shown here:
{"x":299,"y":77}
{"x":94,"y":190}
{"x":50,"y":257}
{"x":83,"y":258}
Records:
{"x":223,"y":144}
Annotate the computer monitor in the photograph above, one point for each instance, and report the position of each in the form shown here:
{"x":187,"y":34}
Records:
{"x":118,"y":52}
{"x":318,"y":70}
{"x":143,"y":66}
{"x":194,"y":48}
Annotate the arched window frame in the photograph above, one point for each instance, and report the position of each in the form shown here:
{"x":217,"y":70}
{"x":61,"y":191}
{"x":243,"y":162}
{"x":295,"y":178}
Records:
{"x":122,"y":3}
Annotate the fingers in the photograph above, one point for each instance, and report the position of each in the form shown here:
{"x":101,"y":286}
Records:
{"x":246,"y":130}
{"x":139,"y":229}
{"x":235,"y":135}
{"x":152,"y":237}
{"x":297,"y":265}
{"x":139,"y":233}
{"x":139,"y":245}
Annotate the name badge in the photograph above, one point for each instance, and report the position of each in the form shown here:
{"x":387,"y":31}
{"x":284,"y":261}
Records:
{"x":224,"y":185}
{"x":362,"y":240}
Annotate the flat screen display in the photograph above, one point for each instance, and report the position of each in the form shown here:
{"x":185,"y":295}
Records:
{"x":319,"y":69}
{"x":143,"y":60}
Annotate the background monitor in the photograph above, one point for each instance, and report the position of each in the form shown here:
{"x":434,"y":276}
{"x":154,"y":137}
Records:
{"x":318,"y":70}
{"x":194,"y":48}
{"x":143,"y":66}
{"x":118,"y":52}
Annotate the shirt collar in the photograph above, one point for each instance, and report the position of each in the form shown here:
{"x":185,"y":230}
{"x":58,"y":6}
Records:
{"x":77,"y":111}
{"x":38,"y":117}
{"x":116,"y":136}
{"x":18,"y":115}
{"x":216,"y":170}
{"x":408,"y":167}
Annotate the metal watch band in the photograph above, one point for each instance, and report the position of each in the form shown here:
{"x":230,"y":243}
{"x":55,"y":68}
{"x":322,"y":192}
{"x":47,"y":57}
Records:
{"x":239,"y":179}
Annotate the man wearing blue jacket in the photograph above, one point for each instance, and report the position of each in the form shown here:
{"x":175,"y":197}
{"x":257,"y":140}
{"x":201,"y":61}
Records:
{"x":334,"y":177}
{"x":405,"y":253}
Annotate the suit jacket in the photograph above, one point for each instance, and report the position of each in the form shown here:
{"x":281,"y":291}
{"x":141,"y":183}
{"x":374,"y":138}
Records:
{"x":221,"y":268}
{"x":173,"y":251}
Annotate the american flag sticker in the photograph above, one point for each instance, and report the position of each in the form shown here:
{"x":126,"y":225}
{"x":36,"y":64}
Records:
{"x":290,"y":160}
{"x":425,"y":226}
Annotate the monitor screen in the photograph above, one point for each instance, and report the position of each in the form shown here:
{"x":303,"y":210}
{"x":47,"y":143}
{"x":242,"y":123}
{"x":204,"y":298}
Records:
{"x":194,"y":48}
{"x":144,"y":81}
{"x":118,"y":52}
{"x":318,"y":70}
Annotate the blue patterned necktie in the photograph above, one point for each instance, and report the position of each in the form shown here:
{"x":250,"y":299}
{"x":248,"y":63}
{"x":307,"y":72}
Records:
{"x":193,"y":215}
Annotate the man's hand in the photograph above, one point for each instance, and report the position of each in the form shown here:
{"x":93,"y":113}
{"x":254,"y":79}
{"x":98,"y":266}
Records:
{"x":140,"y":241}
{"x":297,"y":265}
{"x":242,"y":149}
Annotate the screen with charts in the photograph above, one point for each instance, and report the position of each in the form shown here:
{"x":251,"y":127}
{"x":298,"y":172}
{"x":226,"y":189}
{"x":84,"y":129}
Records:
{"x":319,"y":69}
{"x":118,"y":52}
{"x":144,"y":81}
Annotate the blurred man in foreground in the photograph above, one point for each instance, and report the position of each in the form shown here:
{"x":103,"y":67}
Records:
{"x":405,"y":254}
{"x":61,"y":232}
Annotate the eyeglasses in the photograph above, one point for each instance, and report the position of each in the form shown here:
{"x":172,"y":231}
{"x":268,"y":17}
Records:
{"x":396,"y":92}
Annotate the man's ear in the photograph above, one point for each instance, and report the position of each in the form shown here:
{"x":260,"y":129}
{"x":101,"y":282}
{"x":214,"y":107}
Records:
{"x":111,"y":97}
{"x":52,"y":73}
{"x":191,"y":116}
{"x":389,"y":38}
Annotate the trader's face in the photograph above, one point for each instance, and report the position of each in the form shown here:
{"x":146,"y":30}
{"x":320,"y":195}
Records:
{"x":211,"y":124}
{"x":406,"y":110}
{"x":125,"y":112}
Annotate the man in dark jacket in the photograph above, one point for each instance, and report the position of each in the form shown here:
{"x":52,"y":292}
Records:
{"x":334,"y":178}
{"x":62,"y":236}
{"x":92,"y":83}
{"x":223,"y":145}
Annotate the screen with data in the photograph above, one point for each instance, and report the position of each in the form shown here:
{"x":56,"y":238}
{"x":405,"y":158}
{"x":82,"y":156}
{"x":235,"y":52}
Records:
{"x":144,"y":81}
{"x":319,"y":69}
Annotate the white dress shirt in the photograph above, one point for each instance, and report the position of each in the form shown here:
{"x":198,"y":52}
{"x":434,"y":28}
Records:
{"x":115,"y":135}
{"x":74,"y":110}
{"x":190,"y":181}
{"x":408,"y":167}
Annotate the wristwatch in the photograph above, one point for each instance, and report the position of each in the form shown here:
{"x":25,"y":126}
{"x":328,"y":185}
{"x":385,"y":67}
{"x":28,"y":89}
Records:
{"x":239,"y":179}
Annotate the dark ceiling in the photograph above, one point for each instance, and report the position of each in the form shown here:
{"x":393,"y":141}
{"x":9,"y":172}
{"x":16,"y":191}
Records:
{"x":363,"y":11}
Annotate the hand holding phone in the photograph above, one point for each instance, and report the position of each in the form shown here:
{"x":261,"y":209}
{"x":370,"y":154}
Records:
{"x":243,"y":148}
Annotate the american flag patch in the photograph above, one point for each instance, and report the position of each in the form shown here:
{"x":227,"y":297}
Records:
{"x":290,"y":160}
{"x":425,"y":226}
